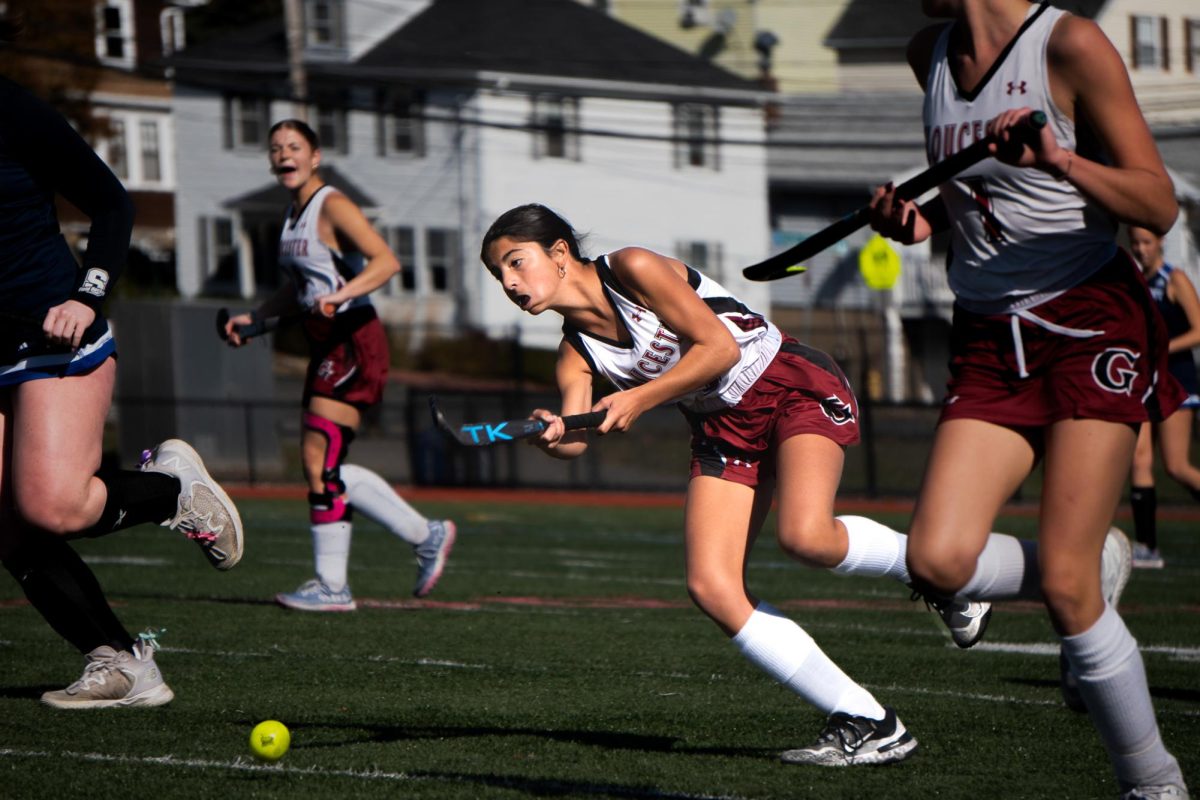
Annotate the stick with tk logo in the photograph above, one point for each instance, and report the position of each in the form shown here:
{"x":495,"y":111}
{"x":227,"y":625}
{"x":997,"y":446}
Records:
{"x":788,"y":262}
{"x":482,"y":434}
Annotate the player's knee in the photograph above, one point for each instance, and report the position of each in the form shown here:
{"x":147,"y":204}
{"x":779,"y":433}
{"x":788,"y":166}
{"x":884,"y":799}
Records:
{"x":1067,"y":591}
{"x":811,"y":541}
{"x":52,"y":515}
{"x":938,"y":575}
{"x":712,"y":593}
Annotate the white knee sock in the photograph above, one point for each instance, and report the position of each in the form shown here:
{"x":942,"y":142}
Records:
{"x":331,"y":552}
{"x":1007,"y":569}
{"x":784,"y":651}
{"x":875,"y":550}
{"x":371,"y":495}
{"x":1112,"y":681}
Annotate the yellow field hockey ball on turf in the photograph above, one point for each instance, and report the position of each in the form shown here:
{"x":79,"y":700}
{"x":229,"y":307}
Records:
{"x":270,"y":740}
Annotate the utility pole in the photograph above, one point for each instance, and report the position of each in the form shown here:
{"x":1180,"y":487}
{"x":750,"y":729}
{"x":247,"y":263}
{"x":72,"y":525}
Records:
{"x":293,"y":21}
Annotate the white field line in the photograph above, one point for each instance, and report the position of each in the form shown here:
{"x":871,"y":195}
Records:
{"x":1051,"y":649}
{"x":242,"y":765}
{"x":130,"y":561}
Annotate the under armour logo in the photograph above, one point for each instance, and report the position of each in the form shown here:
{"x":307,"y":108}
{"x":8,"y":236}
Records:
{"x":1016,"y":86}
{"x":637,"y":314}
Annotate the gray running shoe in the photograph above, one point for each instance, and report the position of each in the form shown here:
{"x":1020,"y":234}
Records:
{"x":432,"y":554}
{"x":1116,"y":565}
{"x":205,"y":513}
{"x":965,"y":619}
{"x":849,"y":741}
{"x":314,"y":595}
{"x":1170,"y":791}
{"x":1147,"y":558}
{"x":114,"y":679}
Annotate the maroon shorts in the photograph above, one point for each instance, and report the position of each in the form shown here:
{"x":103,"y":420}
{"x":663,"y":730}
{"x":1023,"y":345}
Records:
{"x":802,"y":391}
{"x":1097,"y":351}
{"x":349,"y":357}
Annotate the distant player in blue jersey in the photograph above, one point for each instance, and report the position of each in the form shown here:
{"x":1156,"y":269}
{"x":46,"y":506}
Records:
{"x":334,"y":259}
{"x":1177,"y":301}
{"x":1057,"y":356}
{"x":766,"y":413}
{"x":57,"y":367}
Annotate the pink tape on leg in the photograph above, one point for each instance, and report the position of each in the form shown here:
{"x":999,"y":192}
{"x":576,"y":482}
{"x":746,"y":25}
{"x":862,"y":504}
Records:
{"x":333,"y":437}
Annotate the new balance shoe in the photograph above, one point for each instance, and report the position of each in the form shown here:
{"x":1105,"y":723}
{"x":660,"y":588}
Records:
{"x":1170,"y":791}
{"x":966,"y":620}
{"x":1147,"y":558}
{"x":205,"y":514}
{"x":1116,"y":564}
{"x":116,"y":679}
{"x":432,"y":554}
{"x":848,"y":741}
{"x":314,"y":595}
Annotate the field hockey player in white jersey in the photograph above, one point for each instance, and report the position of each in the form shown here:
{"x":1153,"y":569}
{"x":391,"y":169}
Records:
{"x":1057,"y":354}
{"x":335,"y":259}
{"x":766,"y":413}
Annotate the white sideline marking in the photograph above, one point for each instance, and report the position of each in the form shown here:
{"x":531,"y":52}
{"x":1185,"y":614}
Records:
{"x":1051,"y":649}
{"x":242,"y":765}
{"x":131,"y":561}
{"x":419,"y":662}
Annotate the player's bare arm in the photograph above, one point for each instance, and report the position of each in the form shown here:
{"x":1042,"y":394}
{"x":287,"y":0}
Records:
{"x":344,"y":226}
{"x":1089,"y":82}
{"x":574,"y":379}
{"x":1182,"y":291}
{"x":709,"y":350}
{"x":920,"y":50}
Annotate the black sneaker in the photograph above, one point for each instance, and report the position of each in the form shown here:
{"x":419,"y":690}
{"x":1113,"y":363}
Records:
{"x":847,"y":741}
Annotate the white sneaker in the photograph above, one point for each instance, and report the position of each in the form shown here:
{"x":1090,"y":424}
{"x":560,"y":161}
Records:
{"x":314,"y":595}
{"x":1170,"y":791}
{"x":432,"y":554}
{"x":1116,"y":564}
{"x":114,"y":679}
{"x":1147,"y":558}
{"x":849,"y":741}
{"x":205,"y":513}
{"x":966,"y":620}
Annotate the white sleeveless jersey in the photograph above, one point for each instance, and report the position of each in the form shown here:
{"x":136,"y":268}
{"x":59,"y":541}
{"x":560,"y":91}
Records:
{"x":316,"y":268}
{"x":1019,"y":237}
{"x":654,"y":348}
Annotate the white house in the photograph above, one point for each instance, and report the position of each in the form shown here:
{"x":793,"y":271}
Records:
{"x":438,"y":116}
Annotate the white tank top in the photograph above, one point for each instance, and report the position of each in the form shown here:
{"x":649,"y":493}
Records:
{"x":1019,"y":237}
{"x":654,"y":348}
{"x":316,"y":268}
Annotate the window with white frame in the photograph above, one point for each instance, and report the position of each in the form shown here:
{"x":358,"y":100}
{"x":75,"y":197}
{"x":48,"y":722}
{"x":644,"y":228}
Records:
{"x":1149,"y":42}
{"x":702,"y":256}
{"x":217,"y":252}
{"x":693,"y":13}
{"x":116,"y":150}
{"x":324,"y":24}
{"x":329,"y":121}
{"x":151,"y":150}
{"x":401,"y":129}
{"x":696,"y":136}
{"x":555,"y":125}
{"x":404,"y":245}
{"x":1191,"y":44}
{"x":171,"y":29}
{"x":114,"y":32}
{"x":441,"y":254}
{"x":246,"y":123}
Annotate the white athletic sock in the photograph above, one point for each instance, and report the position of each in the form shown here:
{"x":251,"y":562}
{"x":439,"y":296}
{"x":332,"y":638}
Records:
{"x":1112,"y":681}
{"x":331,"y":552}
{"x":1007,"y":569}
{"x":875,"y":550}
{"x":370,"y":494}
{"x":784,"y":651}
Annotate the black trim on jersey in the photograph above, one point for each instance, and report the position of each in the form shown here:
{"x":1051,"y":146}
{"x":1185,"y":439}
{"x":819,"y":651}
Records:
{"x":693,"y":278}
{"x":289,"y":222}
{"x":609,"y":278}
{"x":987,"y":76}
{"x":728,"y":305}
{"x":572,"y":337}
{"x":818,"y":358}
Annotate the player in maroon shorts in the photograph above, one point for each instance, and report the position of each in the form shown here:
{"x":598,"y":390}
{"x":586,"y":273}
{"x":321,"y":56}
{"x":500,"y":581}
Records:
{"x":334,"y":260}
{"x":766,"y":412}
{"x":1057,"y":356}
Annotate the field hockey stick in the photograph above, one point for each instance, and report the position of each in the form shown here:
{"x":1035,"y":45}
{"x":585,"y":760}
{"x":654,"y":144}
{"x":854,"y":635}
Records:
{"x":257,"y":327}
{"x":789,"y":261}
{"x":483,"y":434}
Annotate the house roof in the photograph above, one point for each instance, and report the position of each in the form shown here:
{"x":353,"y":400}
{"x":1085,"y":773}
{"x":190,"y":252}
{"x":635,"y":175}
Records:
{"x":274,"y":197}
{"x":862,"y":25}
{"x":561,"y":39}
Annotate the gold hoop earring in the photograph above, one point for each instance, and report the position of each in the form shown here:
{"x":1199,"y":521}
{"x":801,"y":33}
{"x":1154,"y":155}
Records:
{"x":562,"y":271}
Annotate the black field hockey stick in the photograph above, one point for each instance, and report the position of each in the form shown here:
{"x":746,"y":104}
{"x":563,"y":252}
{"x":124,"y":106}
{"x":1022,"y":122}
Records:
{"x":257,"y":327}
{"x":789,"y":261}
{"x":483,"y":434}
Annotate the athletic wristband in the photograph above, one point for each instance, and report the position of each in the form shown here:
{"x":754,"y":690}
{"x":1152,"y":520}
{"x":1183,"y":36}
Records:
{"x":91,"y":287}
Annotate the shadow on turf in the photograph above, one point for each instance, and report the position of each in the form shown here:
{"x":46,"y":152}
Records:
{"x":26,"y":692}
{"x":1156,"y":692}
{"x":606,"y":739}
